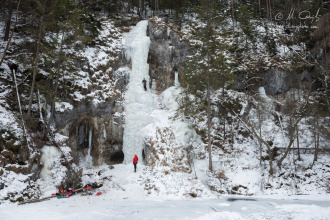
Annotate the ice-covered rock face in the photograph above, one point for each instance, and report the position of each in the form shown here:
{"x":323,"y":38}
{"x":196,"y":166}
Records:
{"x":166,"y":53}
{"x":97,"y":134}
{"x":276,"y":82}
{"x":104,"y":120}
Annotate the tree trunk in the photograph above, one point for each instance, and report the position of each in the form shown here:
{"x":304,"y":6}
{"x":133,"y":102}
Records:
{"x":232,"y":14}
{"x":8,"y":22}
{"x":253,"y":131}
{"x":299,"y":158}
{"x":270,"y":11}
{"x":232,"y":136}
{"x":224,"y":115}
{"x":250,"y":127}
{"x":325,"y":47}
{"x":267,"y":9}
{"x":224,"y":129}
{"x":142,"y":7}
{"x":11,"y":35}
{"x":157,"y":7}
{"x":260,"y":143}
{"x":291,"y":136}
{"x":35,"y":62}
{"x":209,"y":121}
{"x":317,"y":141}
{"x":19,"y":105}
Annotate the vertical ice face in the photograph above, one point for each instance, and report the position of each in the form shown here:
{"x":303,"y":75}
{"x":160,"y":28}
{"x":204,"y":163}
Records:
{"x":138,"y":103}
{"x":266,"y":104}
{"x":50,"y":155}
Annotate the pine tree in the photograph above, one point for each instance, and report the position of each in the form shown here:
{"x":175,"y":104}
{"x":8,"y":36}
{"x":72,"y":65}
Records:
{"x":206,"y":70}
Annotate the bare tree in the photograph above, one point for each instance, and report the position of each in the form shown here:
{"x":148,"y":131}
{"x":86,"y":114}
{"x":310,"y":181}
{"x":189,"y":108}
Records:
{"x":8,"y":22}
{"x":248,"y":125}
{"x":13,"y":67}
{"x":260,"y":126}
{"x":232,"y":14}
{"x":316,"y":138}
{"x":292,"y":131}
{"x":36,"y":60}
{"x":11,"y":35}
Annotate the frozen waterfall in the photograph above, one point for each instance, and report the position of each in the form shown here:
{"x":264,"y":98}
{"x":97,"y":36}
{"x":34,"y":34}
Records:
{"x":50,"y":158}
{"x":138,"y":103}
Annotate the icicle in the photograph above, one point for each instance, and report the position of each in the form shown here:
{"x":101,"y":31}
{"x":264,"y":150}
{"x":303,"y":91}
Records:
{"x":40,"y":111}
{"x":90,"y":141}
{"x":89,"y":158}
{"x":176,"y":79}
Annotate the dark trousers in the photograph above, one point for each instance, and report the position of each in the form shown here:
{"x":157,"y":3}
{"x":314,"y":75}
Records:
{"x":134,"y":167}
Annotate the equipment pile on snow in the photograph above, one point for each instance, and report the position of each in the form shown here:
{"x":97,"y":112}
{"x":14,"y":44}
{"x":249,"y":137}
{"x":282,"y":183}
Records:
{"x":86,"y":190}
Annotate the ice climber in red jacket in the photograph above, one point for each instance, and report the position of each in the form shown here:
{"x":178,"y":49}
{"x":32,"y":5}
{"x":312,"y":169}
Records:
{"x":135,"y":160}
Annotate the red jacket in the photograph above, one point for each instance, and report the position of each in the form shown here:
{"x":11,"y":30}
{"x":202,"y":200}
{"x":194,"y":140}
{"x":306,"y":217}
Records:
{"x":135,"y":159}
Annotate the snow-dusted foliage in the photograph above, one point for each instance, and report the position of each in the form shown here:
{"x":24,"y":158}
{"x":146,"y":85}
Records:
{"x":238,"y":168}
{"x":255,"y":137}
{"x":17,"y":187}
{"x":266,"y":46}
{"x":96,"y":80}
{"x":86,"y":73}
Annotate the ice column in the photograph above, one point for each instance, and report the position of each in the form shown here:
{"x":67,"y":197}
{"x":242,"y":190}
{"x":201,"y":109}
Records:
{"x":90,"y":141}
{"x":88,"y":157}
{"x":176,"y":79}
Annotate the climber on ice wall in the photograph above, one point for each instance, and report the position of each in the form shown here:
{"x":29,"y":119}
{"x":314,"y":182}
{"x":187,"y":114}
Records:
{"x":144,"y":81}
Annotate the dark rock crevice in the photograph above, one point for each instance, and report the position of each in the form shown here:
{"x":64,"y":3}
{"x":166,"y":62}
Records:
{"x":102,"y":121}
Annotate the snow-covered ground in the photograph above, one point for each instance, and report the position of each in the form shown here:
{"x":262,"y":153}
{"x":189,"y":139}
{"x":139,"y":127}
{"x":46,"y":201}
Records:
{"x":131,"y":202}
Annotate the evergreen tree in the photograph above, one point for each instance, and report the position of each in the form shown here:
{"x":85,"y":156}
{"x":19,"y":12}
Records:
{"x":206,"y":70}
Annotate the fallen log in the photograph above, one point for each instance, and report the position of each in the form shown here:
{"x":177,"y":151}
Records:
{"x":37,"y":200}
